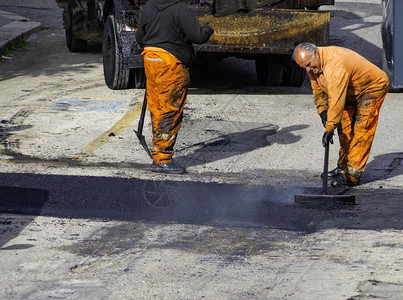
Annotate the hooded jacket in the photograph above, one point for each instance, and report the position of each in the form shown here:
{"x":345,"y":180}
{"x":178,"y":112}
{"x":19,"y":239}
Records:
{"x":170,"y":25}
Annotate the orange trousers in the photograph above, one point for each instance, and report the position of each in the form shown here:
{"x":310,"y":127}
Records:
{"x":356,"y":134}
{"x":168,"y":80}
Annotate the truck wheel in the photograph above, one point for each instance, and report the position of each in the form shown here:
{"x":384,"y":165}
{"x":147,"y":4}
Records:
{"x":268,"y":71}
{"x":138,"y":78}
{"x":116,"y":77}
{"x":293,"y":76}
{"x":74,"y":44}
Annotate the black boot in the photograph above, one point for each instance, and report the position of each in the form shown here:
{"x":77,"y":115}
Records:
{"x":168,"y":168}
{"x":343,"y":182}
{"x":333,"y":173}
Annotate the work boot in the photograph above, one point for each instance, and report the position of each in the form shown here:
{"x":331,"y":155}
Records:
{"x":343,"y":182}
{"x":168,"y":168}
{"x":333,"y":173}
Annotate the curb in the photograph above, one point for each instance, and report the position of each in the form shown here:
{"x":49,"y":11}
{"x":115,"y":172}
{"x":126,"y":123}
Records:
{"x":17,"y":28}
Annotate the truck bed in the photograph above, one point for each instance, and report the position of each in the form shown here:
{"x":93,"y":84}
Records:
{"x":270,"y":31}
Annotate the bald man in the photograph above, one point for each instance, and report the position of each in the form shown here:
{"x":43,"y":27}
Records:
{"x":348,"y":92}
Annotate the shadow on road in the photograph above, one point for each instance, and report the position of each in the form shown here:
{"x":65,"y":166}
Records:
{"x":188,"y":202}
{"x":346,"y":22}
{"x":383,"y":166}
{"x":222,"y":145}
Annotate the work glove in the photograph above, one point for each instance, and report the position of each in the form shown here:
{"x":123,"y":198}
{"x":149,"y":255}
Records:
{"x":327,"y":137}
{"x":323,"y":116}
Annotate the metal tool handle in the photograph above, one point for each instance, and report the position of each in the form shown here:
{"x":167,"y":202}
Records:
{"x":325,"y":169}
{"x":142,"y":115}
{"x":139,"y":131}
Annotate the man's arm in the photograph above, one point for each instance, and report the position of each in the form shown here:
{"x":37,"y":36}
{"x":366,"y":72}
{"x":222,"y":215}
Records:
{"x":191,"y":28}
{"x":140,"y":33}
{"x":319,"y":96}
{"x":140,"y":36}
{"x":337,"y":80}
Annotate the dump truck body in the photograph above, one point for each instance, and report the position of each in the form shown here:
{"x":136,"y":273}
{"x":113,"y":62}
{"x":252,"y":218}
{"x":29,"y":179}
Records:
{"x":262,"y":30}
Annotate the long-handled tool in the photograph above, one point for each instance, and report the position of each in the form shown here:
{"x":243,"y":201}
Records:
{"x":139,"y":131}
{"x":325,"y":197}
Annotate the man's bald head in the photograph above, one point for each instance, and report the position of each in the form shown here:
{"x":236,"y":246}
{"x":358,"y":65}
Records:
{"x":305,"y":48}
{"x":306,"y":55}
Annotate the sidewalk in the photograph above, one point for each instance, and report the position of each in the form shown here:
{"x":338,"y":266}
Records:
{"x":14,"y":28}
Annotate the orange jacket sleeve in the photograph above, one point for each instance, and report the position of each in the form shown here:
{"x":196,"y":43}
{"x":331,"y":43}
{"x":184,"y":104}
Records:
{"x":319,"y":96}
{"x":337,"y":92}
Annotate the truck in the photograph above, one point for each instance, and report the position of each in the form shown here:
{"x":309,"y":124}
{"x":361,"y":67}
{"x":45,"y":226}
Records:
{"x":265,"y":31}
{"x":392,"y":44}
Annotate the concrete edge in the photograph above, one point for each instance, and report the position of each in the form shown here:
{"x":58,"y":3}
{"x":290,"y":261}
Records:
{"x":19,"y":28}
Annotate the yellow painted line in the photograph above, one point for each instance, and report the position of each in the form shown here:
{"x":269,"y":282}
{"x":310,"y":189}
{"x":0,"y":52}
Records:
{"x":116,"y":129}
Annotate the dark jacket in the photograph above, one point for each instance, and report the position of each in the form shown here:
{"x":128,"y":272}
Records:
{"x":170,"y":25}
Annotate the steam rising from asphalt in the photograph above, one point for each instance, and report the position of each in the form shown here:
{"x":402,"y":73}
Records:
{"x":220,"y":203}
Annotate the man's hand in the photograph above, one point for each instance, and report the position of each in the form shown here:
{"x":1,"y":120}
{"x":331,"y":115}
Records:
{"x":323,"y":116}
{"x":327,"y":137}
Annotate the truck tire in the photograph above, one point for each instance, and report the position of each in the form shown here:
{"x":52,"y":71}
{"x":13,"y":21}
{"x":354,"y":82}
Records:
{"x":268,"y":71}
{"x":138,"y":78}
{"x":74,"y":44}
{"x":293,"y":76}
{"x":116,"y":77}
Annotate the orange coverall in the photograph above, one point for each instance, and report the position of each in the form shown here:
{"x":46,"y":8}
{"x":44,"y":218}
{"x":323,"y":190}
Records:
{"x":168,"y":80}
{"x":352,"y":90}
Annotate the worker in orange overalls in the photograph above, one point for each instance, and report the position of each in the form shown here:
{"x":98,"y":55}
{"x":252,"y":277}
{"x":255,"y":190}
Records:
{"x":348,"y":91}
{"x":166,"y":31}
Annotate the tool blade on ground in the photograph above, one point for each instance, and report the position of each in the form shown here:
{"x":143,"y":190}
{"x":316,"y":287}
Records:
{"x":324,"y":198}
{"x":143,"y":143}
{"x":312,"y":198}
